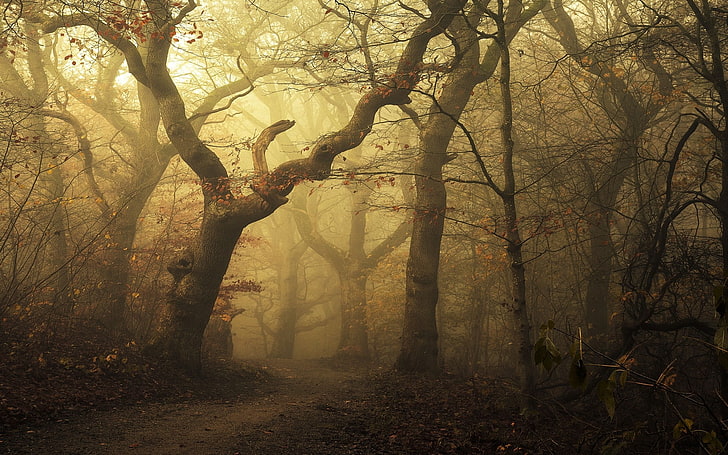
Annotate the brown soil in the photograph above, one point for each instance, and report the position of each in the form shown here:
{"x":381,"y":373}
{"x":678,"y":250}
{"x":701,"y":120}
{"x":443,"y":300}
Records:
{"x":306,"y":407}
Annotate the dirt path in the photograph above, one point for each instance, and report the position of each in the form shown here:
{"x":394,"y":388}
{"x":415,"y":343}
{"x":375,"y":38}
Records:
{"x":284,"y":415}
{"x":311,"y":408}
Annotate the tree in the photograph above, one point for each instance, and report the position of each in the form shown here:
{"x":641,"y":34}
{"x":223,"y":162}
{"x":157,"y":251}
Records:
{"x":353,"y":265}
{"x":123,"y":169}
{"x":631,"y":114}
{"x":290,"y":308}
{"x":694,"y":36}
{"x":419,"y":352}
{"x":198,"y":272}
{"x":37,"y":189}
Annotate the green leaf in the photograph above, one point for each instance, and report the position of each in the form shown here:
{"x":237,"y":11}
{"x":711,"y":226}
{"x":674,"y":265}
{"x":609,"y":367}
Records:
{"x":605,"y":392}
{"x":681,"y":428}
{"x":553,"y":350}
{"x":577,"y":374}
{"x":619,"y":377}
{"x":546,"y":327}
{"x":711,"y":440}
{"x":546,"y":354}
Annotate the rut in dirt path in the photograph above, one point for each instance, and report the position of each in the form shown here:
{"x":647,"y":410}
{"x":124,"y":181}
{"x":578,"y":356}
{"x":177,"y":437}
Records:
{"x":301,"y":400}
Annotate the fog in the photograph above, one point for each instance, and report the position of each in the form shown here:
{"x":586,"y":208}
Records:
{"x":535,"y":192}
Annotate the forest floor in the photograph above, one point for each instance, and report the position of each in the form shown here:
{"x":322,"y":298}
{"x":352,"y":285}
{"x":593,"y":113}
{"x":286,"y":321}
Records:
{"x":303,"y":407}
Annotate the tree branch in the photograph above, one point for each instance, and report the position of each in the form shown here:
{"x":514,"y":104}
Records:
{"x":395,"y":239}
{"x":264,"y":140}
{"x":395,"y":91}
{"x":678,"y":325}
{"x":84,"y":146}
{"x":133,"y":59}
{"x":313,"y":239}
{"x":260,"y":165}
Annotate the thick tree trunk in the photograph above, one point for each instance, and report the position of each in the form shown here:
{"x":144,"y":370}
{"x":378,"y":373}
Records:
{"x":419,"y":341}
{"x":600,"y":271}
{"x":632,"y":117}
{"x":354,"y":338}
{"x":117,"y":270}
{"x":353,"y":275}
{"x":218,"y":338}
{"x":197,"y":275}
{"x":285,"y":335}
{"x":419,"y":349}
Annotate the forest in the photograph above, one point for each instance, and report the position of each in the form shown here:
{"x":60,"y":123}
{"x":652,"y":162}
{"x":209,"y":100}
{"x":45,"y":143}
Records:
{"x":419,"y":226}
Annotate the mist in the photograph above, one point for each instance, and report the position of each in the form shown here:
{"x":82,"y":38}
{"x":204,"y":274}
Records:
{"x":496,"y":198}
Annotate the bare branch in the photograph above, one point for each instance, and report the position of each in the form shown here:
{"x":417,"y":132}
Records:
{"x":222,"y":108}
{"x":395,"y":91}
{"x":264,"y":140}
{"x":131,"y":53}
{"x":84,"y":146}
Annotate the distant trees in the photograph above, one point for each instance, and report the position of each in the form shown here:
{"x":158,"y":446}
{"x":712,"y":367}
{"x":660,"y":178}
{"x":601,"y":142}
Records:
{"x":630,"y":105}
{"x":352,"y":265}
{"x":469,"y":69}
{"x":37,"y":259}
{"x":290,"y":308}
{"x":198,"y":272}
{"x":569,"y":165}
{"x":123,"y":172}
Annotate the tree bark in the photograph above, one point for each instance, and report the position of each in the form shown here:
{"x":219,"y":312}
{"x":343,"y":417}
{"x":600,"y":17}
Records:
{"x":353,"y":268}
{"x":285,"y":334}
{"x":198,"y":273}
{"x":354,"y":338}
{"x":419,"y":351}
{"x":514,"y":244}
{"x":419,"y":348}
{"x":632,"y":119}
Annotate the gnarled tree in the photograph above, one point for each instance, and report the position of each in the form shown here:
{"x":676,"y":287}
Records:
{"x":198,"y":272}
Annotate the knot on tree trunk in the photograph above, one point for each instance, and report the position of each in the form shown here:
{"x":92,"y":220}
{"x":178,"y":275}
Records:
{"x":181,"y":265}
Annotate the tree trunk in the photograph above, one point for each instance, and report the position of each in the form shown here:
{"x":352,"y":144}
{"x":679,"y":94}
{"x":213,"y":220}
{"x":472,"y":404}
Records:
{"x":419,"y":351}
{"x":197,"y":274}
{"x":632,"y":118}
{"x":63,"y":301}
{"x":353,"y":268}
{"x":476,"y":317}
{"x":419,"y":345}
{"x":285,"y":335}
{"x":519,"y":308}
{"x":354,"y":338}
{"x":117,"y":270}
{"x":600,"y":270}
{"x":514,"y":244}
{"x":354,"y":273}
